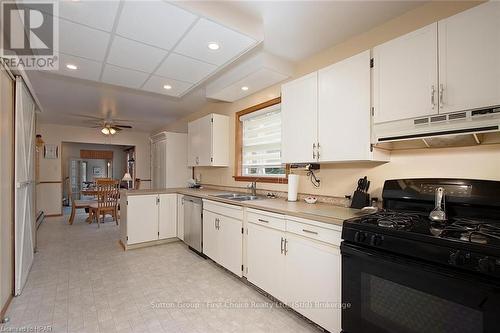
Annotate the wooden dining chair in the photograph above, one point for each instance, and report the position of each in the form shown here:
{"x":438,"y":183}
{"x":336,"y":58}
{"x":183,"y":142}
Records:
{"x":77,"y":204}
{"x":107,"y":203}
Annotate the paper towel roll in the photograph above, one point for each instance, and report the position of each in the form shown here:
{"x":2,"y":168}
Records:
{"x":293,"y":187}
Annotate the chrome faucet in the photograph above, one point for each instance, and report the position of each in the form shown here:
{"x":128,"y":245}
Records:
{"x":253,"y":187}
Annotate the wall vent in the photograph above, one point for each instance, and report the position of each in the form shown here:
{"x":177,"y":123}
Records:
{"x":438,"y":118}
{"x":421,"y":121}
{"x":454,"y":116}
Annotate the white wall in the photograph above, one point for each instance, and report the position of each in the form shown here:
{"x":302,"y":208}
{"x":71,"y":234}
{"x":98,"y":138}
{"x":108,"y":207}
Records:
{"x":49,"y":195}
{"x":6,"y":188}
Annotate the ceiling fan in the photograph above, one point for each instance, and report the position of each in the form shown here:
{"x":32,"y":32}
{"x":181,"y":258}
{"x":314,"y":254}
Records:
{"x":108,"y":125}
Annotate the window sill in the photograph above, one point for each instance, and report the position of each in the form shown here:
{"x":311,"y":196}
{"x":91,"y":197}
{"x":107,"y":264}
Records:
{"x":261,"y":179}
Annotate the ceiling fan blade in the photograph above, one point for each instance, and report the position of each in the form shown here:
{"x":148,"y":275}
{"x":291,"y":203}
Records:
{"x":85,"y":116}
{"x":116,"y":128}
{"x":123,"y":126}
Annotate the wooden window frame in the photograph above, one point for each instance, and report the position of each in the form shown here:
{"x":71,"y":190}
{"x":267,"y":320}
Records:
{"x":239,"y":148}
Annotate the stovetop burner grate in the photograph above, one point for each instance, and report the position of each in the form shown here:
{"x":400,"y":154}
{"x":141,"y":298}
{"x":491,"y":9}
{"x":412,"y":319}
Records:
{"x":470,"y":230}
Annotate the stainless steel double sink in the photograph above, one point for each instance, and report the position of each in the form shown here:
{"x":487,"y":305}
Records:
{"x":239,"y":196}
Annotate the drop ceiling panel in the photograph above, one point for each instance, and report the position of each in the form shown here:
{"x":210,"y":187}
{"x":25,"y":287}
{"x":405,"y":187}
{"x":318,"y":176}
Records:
{"x":164,"y":27}
{"x":232,"y":43}
{"x":130,"y":54}
{"x":155,"y":84}
{"x":87,"y":69}
{"x":97,"y":14}
{"x":185,"y":69}
{"x":256,"y":81}
{"x":82,"y":41}
{"x":123,"y":77}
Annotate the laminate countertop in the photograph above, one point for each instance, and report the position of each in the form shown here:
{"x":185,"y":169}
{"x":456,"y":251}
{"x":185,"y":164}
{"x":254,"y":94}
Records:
{"x":321,"y":212}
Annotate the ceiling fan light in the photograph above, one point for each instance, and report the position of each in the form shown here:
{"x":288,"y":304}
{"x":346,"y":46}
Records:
{"x":112,"y":131}
{"x":105,"y":131}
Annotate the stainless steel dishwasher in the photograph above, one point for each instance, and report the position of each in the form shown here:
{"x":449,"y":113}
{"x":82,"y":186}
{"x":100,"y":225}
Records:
{"x":193,"y":228}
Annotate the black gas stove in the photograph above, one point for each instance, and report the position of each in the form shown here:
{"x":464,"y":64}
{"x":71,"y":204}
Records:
{"x":450,"y":266}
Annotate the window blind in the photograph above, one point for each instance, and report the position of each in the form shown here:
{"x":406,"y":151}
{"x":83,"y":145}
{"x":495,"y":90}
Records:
{"x":261,"y":143}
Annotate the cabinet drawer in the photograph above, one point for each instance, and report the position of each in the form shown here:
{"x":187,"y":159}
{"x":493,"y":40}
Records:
{"x":329,"y":236}
{"x":233,"y":211}
{"x":271,"y":220}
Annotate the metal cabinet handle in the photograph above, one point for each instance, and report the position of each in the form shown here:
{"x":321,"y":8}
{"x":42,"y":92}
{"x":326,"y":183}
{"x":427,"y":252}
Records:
{"x":433,"y":92}
{"x":314,"y":151}
{"x":441,"y":95}
{"x":215,"y":223}
{"x":285,"y":249}
{"x":263,"y":221}
{"x":310,"y":232}
{"x":282,"y":249}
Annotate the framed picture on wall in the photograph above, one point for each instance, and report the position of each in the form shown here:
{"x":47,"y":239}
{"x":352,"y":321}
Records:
{"x":50,"y":151}
{"x":97,"y":171}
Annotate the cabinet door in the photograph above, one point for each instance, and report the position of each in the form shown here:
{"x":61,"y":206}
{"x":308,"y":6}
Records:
{"x":167,"y":222}
{"x":313,"y":273}
{"x":180,"y":217}
{"x":142,"y":219}
{"x":266,"y":260}
{"x":344,"y":110}
{"x":469,"y":53}
{"x":210,"y":235}
{"x":193,"y":142}
{"x":405,"y":76}
{"x":230,"y":244}
{"x":299,"y":109}
{"x":205,"y":141}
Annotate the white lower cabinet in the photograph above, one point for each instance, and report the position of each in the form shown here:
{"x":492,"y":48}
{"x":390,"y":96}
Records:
{"x":313,"y":278}
{"x":146,"y":218}
{"x":223,"y":235}
{"x":298,"y":262}
{"x":180,"y":217}
{"x":167,"y":219}
{"x":265,"y":259}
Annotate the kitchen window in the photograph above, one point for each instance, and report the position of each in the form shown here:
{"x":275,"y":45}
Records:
{"x":258,"y":144}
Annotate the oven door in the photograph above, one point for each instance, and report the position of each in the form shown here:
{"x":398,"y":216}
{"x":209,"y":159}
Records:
{"x":385,"y":293}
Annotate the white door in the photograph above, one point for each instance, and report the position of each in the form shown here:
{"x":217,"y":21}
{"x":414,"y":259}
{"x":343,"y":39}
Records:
{"x":158,"y":161}
{"x":266,"y":260}
{"x":25,"y":184}
{"x":313,"y":274}
{"x":299,"y":110}
{"x":405,"y":81}
{"x":193,"y":142}
{"x":469,"y":54}
{"x":210,"y":235}
{"x":205,"y":141}
{"x":142,"y":219}
{"x":180,"y":217}
{"x":344,"y":110}
{"x":230,"y":244}
{"x":167,"y":221}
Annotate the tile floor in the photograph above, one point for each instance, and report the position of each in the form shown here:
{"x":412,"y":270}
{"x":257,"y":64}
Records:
{"x":82,"y":281}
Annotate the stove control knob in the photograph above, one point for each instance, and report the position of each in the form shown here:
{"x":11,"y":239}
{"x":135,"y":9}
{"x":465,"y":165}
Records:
{"x":456,"y":258}
{"x":360,"y":236}
{"x":376,"y":240}
{"x":486,"y":265}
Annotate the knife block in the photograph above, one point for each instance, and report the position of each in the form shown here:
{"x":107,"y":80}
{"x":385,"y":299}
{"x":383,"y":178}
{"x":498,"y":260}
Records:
{"x":360,"y":199}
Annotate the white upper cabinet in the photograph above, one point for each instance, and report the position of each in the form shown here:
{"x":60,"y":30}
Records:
{"x":208,"y":141}
{"x":299,"y":109}
{"x":344,"y":110}
{"x":405,"y":76}
{"x":469,"y":59}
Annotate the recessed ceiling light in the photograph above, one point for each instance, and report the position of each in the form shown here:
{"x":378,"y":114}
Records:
{"x":213,"y":46}
{"x":167,"y":86}
{"x":71,"y":66}
{"x":244,"y":88}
